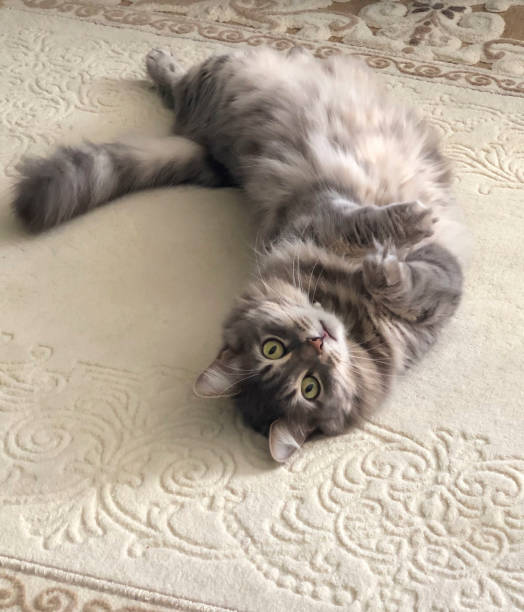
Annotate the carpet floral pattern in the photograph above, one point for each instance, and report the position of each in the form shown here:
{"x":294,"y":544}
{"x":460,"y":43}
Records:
{"x":467,"y":31}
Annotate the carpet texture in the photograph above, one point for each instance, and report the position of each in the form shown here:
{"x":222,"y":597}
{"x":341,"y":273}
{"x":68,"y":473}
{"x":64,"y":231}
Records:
{"x":121,"y":491}
{"x":484,"y":33}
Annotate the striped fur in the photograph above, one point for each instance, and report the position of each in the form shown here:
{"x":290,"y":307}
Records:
{"x":360,"y":242}
{"x":77,"y":179}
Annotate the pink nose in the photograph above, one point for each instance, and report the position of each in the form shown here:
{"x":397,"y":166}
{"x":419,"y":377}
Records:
{"x":317,"y":343}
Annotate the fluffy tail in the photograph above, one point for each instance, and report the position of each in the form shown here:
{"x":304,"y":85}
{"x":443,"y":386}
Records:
{"x":75,"y":180}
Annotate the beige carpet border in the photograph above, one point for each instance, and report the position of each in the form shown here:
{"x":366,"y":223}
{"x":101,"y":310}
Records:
{"x":96,"y":585}
{"x":168,"y":24}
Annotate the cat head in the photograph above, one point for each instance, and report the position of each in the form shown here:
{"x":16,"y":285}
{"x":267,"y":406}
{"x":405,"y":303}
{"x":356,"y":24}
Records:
{"x":285,"y":362}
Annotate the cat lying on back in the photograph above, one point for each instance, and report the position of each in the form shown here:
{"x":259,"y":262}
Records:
{"x":359,"y":234}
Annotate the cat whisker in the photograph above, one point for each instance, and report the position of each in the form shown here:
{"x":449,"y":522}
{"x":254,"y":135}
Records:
{"x":239,"y":381}
{"x":245,"y":370}
{"x":310,"y":278}
{"x":293,"y":271}
{"x":316,"y":285}
{"x":299,"y":273}
{"x":364,"y":359}
{"x":357,"y":358}
{"x":374,"y":372}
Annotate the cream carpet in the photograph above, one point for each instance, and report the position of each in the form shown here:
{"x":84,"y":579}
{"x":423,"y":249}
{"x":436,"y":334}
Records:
{"x":118,"y":489}
{"x":487,"y":33}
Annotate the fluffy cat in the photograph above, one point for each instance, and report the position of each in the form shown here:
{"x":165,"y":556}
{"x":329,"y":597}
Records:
{"x":360,"y":242}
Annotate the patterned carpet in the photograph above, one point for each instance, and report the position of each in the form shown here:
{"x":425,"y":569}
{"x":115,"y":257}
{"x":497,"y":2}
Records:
{"x":121,"y":491}
{"x":485,"y":34}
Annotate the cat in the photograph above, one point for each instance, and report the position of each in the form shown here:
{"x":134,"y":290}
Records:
{"x":360,"y":244}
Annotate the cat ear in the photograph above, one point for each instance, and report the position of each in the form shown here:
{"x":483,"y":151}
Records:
{"x":285,"y":439}
{"x":220,"y":378}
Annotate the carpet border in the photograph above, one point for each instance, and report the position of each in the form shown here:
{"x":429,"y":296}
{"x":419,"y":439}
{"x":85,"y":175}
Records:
{"x":109,"y":587}
{"x":170,"y":24}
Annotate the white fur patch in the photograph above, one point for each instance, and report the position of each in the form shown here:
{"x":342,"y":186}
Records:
{"x":343,"y":204}
{"x":157,"y":151}
{"x":103,"y":175}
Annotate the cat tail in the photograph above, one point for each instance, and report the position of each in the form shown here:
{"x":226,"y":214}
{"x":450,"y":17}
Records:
{"x":76,"y":179}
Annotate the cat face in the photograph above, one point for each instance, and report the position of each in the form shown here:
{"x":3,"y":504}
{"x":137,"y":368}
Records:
{"x":286,"y":363}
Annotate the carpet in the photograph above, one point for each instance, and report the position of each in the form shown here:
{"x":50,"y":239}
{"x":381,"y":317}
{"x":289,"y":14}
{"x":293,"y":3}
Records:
{"x":119,"y":490}
{"x":472,"y":32}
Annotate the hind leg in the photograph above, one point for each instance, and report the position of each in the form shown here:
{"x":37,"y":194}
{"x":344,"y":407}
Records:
{"x":165,"y":72}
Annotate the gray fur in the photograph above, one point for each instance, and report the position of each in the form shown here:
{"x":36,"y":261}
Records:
{"x":359,"y":244}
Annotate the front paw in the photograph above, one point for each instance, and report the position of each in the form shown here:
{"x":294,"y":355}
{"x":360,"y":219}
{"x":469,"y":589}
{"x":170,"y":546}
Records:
{"x":382,"y":270}
{"x":411,"y":221}
{"x":161,"y":66}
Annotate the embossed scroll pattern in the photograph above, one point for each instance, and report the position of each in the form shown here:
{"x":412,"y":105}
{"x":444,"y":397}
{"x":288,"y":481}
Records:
{"x":97,"y":448}
{"x":97,"y":458}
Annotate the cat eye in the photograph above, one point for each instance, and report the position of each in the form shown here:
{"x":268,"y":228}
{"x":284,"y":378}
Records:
{"x":273,"y":349}
{"x":310,"y":387}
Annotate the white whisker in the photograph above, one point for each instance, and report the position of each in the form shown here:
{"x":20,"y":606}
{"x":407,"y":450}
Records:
{"x":316,"y":285}
{"x":310,"y":278}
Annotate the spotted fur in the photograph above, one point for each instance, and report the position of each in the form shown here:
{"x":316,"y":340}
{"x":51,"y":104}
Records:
{"x":360,"y":243}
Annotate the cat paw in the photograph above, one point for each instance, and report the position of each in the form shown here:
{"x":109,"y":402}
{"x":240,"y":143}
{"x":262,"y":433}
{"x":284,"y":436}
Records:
{"x":382,"y":270}
{"x":162,"y":67}
{"x":411,"y":221}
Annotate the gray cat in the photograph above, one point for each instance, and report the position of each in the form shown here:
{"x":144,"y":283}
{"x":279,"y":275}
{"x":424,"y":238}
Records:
{"x":360,"y":237}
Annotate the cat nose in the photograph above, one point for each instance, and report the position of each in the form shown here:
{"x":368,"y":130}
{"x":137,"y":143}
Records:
{"x":316,"y":343}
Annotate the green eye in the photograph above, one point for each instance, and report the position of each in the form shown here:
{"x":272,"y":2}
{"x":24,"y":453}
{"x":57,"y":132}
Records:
{"x":310,"y":387}
{"x":273,"y":349}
